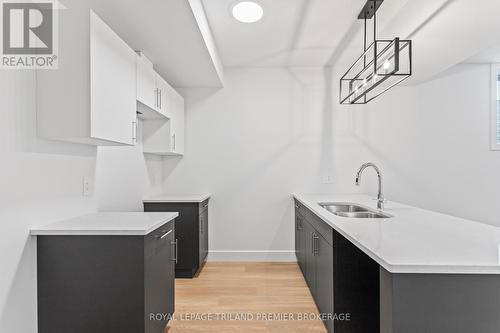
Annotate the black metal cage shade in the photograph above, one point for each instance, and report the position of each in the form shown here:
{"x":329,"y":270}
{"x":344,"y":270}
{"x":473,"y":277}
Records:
{"x":384,"y":64}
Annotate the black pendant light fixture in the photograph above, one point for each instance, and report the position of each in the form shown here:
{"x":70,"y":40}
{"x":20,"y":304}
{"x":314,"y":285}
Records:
{"x":383,"y":64}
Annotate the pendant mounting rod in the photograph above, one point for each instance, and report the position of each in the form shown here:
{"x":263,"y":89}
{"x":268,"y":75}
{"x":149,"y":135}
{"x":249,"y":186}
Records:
{"x":369,"y":9}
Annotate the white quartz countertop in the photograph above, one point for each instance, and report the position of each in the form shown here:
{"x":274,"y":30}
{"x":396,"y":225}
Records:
{"x":415,"y":240}
{"x":177,"y":198}
{"x":109,"y":223}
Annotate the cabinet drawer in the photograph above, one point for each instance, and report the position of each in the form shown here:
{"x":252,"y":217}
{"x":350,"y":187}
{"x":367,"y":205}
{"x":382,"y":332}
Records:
{"x":321,"y":226}
{"x":154,"y":239}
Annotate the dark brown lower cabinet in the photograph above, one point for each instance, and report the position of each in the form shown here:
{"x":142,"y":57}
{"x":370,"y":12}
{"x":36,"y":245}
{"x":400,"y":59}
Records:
{"x":103,"y":284}
{"x":191,"y":227}
{"x":324,"y":281}
{"x":343,"y":281}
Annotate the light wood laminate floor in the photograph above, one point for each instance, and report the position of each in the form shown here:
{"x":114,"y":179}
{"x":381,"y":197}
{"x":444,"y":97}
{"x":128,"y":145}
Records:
{"x":244,"y":289}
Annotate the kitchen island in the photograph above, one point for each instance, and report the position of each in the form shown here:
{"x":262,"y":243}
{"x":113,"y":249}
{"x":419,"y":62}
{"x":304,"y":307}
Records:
{"x":420,"y":271}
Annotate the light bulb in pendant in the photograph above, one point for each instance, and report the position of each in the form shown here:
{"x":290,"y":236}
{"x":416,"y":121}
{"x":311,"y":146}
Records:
{"x":387,"y":65}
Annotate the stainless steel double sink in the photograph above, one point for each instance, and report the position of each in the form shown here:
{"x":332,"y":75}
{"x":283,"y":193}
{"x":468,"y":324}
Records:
{"x":354,"y":211}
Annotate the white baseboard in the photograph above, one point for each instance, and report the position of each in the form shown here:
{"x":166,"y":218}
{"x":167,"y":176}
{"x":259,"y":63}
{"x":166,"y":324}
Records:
{"x":279,"y":255}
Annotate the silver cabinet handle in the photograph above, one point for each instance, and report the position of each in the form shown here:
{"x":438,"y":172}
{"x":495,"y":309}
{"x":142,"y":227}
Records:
{"x":134,"y":131}
{"x":159,"y":95}
{"x":296,"y":206}
{"x":315,"y":245}
{"x":173,"y":141}
{"x":205,"y":205}
{"x":176,"y":250}
{"x":312,"y":243}
{"x":165,"y":234}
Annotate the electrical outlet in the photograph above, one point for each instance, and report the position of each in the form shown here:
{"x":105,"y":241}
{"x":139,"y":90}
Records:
{"x":87,"y":186}
{"x":327,"y":179}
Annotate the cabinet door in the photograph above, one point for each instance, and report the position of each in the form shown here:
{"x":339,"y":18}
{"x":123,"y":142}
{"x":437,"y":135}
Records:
{"x":205,"y":236}
{"x":187,"y":233}
{"x":163,"y":96}
{"x":310,"y":259}
{"x":113,"y":85}
{"x":173,"y":255}
{"x":203,"y":230}
{"x":297,"y":236}
{"x":176,"y":103}
{"x":147,"y":92}
{"x":300,"y":246}
{"x":324,"y":279}
{"x":159,"y":276}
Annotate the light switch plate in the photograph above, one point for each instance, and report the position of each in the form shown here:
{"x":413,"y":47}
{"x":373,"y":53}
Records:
{"x":328,"y":178}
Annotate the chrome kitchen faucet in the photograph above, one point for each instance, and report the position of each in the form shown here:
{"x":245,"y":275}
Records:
{"x":380,"y":196}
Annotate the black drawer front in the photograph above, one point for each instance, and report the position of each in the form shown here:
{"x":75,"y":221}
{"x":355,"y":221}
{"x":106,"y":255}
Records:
{"x":323,"y":228}
{"x":154,"y":239}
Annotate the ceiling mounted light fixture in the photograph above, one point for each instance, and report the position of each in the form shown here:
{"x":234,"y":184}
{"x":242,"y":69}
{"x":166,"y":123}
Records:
{"x":248,"y":11}
{"x":383,"y":64}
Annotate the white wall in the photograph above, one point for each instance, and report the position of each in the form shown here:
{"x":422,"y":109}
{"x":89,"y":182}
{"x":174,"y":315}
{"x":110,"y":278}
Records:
{"x":432,"y":143}
{"x":267,"y":134}
{"x":124,"y":175}
{"x":41,"y":182}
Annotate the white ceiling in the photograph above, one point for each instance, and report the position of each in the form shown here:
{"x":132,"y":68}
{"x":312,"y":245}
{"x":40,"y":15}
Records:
{"x":326,"y":32}
{"x":291,"y":33}
{"x":460,"y":30}
{"x":299,"y":33}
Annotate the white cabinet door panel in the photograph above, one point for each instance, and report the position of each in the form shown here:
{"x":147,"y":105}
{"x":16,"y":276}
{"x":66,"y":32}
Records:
{"x":146,"y":84}
{"x":176,"y":104}
{"x":163,"y":96}
{"x":113,"y":84}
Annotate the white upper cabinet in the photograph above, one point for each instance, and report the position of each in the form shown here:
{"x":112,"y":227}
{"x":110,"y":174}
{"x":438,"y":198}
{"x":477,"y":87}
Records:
{"x":176,"y":104}
{"x":112,"y":82}
{"x":147,"y":92}
{"x":91,"y":97}
{"x":166,"y":137}
{"x":163,"y":122}
{"x":163,"y":88}
{"x":151,"y":91}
